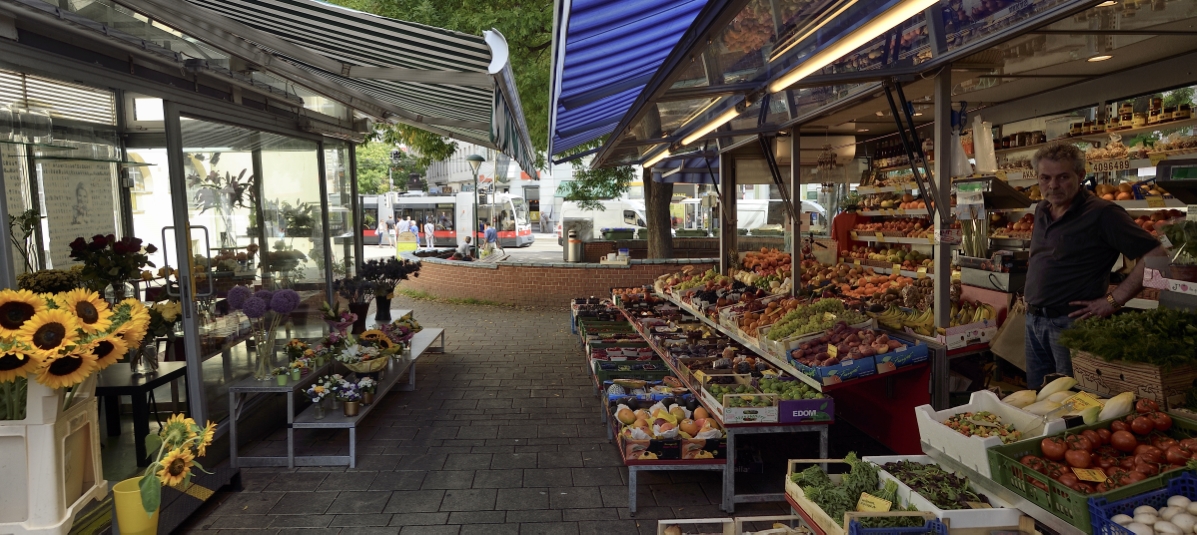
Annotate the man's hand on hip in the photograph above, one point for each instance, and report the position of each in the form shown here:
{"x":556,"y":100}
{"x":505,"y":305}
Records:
{"x":1097,"y":307}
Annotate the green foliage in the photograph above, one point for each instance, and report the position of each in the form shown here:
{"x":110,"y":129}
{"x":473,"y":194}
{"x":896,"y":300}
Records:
{"x":590,"y":186}
{"x":1163,"y":337}
{"x":428,"y":147}
{"x":373,"y":159}
{"x":1176,"y":97}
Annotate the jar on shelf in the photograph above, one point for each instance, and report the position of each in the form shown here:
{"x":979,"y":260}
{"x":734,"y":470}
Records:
{"x":1184,"y":111}
{"x":1038,"y":137}
{"x":1127,"y":108}
{"x":1005,"y":142}
{"x":1168,"y":114}
{"x":1153,"y":117}
{"x":1127,"y":120}
{"x":1113,"y":123}
{"x":1157,"y":104}
{"x":1140,"y":120}
{"x":1075,"y":129}
{"x":1087,"y":127}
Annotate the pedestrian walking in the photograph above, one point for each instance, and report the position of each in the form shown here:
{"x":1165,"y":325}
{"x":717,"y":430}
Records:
{"x":492,"y":240}
{"x":429,"y":229}
{"x":384,"y":232}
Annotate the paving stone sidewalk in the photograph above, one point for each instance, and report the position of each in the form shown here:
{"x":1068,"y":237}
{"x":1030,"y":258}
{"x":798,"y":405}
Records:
{"x":501,"y":436}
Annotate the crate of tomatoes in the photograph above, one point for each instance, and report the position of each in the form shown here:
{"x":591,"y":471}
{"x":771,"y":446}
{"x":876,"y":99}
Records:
{"x":1112,"y":459}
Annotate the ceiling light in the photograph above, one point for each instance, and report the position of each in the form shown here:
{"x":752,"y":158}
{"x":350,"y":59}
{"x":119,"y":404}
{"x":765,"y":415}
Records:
{"x":1107,"y":3}
{"x":881,"y":114}
{"x":857,"y":38}
{"x":862,"y":129}
{"x":918,"y":114}
{"x":718,"y":121}
{"x":1096,"y":59}
{"x":656,"y":159}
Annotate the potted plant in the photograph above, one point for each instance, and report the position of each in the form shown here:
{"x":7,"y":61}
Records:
{"x":265,"y":310}
{"x":385,"y":275}
{"x":1183,"y":236}
{"x":357,"y":291}
{"x":338,"y":320}
{"x":350,"y":398}
{"x":367,"y":386}
{"x":109,"y":263}
{"x":178,"y":444}
{"x":319,"y":392}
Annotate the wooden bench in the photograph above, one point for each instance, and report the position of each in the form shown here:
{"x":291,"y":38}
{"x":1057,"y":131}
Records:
{"x":421,"y":343}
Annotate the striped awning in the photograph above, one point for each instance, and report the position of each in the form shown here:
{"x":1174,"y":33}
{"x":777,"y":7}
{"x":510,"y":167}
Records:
{"x":449,"y":83}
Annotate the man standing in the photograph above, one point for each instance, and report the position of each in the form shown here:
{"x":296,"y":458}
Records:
{"x":1076,"y":240}
{"x":429,"y":229}
{"x":490,"y":238}
{"x":385,"y":229}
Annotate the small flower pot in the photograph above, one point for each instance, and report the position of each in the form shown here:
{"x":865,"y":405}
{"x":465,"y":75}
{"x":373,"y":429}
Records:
{"x":368,"y":398}
{"x":295,"y":373}
{"x":319,"y":413}
{"x":351,"y":408}
{"x":130,"y":513}
{"x":282,"y":379}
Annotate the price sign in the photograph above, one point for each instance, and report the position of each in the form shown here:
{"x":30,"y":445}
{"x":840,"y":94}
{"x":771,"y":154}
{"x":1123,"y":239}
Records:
{"x":855,"y":236}
{"x":931,"y":239}
{"x":921,"y":273}
{"x":872,"y":504}
{"x":880,"y":237}
{"x":1082,"y":401}
{"x":1157,"y":158}
{"x":901,"y":211}
{"x":856,"y":263}
{"x":702,"y":377}
{"x":1000,"y":174}
{"x":1155,"y":201}
{"x":832,"y":350}
{"x":1086,"y":474}
{"x":1107,"y":166}
{"x":897,"y":268}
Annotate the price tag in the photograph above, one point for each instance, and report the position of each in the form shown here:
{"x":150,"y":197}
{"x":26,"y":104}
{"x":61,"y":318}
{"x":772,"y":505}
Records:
{"x":872,"y":504}
{"x":921,"y":273}
{"x":856,"y":263}
{"x":855,"y":236}
{"x":1087,"y":474}
{"x":1107,"y":166}
{"x":880,"y":237}
{"x":702,"y":377}
{"x":897,"y":268}
{"x":1155,"y":201}
{"x":931,"y":239}
{"x":832,"y":350}
{"x":901,"y":211}
{"x":1157,"y":158}
{"x":1165,"y":242}
{"x":1000,"y":174}
{"x":1082,"y":401}
{"x":978,"y":505}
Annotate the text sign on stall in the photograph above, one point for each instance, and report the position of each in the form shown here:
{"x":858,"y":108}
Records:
{"x":872,"y":504}
{"x":1107,"y":166}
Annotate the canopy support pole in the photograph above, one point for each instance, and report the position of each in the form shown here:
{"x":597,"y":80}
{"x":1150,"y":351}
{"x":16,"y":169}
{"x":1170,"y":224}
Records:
{"x":796,"y":225}
{"x":729,"y":252}
{"x":941,"y":251}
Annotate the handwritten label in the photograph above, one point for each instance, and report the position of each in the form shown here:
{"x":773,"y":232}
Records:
{"x":880,"y":237}
{"x":931,"y":239}
{"x":921,"y":273}
{"x":897,"y":268}
{"x":978,"y":505}
{"x":702,"y":377}
{"x":1155,"y":201}
{"x":872,"y":504}
{"x":1107,"y":166}
{"x":1087,"y":474}
{"x":856,"y":263}
{"x":832,"y":351}
{"x":1157,"y":158}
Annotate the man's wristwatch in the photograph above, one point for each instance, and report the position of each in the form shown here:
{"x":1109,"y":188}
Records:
{"x":1113,"y":302}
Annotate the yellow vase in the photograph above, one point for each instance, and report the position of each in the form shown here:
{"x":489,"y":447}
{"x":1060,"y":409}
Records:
{"x":130,"y":514}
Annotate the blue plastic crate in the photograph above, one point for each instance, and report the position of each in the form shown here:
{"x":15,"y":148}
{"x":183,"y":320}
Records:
{"x":1101,"y":511}
{"x":932,"y":527}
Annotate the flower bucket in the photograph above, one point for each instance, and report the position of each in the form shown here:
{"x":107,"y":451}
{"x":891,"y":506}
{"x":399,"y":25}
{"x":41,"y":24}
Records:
{"x":359,"y":309}
{"x":282,"y":379}
{"x":382,"y":312}
{"x":130,"y":514}
{"x":351,"y":408}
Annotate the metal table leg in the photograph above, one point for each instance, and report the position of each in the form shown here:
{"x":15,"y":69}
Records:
{"x":729,"y":473}
{"x":290,"y":430}
{"x":632,"y":489}
{"x":233,"y":413}
{"x":141,"y":427}
{"x":353,"y":447}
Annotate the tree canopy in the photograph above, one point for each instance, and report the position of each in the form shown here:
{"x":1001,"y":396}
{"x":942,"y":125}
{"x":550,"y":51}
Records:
{"x":374,"y":157}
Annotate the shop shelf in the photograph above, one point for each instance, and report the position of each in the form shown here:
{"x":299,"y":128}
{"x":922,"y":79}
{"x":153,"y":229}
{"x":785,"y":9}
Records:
{"x":1127,"y":133}
{"x":896,"y":212}
{"x":1002,"y":514}
{"x":873,"y":238}
{"x":873,"y":190}
{"x":1102,"y":510}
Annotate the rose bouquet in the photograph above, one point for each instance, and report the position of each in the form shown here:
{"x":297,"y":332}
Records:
{"x":337,"y":319}
{"x":109,"y":261}
{"x":265,"y":310}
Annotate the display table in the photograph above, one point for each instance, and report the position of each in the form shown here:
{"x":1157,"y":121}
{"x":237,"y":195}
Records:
{"x":421,"y":342}
{"x":116,"y":381}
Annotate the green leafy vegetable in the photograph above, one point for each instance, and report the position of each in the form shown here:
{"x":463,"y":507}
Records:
{"x":835,"y":500}
{"x":1163,"y":337}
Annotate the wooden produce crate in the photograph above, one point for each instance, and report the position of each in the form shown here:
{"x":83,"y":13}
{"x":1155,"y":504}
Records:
{"x":1168,"y":387}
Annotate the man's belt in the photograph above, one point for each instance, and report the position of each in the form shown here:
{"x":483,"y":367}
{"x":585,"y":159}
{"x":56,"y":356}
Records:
{"x":1050,"y":312}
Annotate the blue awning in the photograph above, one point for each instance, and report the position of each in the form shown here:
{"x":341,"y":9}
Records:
{"x":604,"y":53}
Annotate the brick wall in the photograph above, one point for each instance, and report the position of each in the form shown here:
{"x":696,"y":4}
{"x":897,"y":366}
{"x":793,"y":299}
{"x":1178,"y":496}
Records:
{"x":592,"y":251}
{"x":533,"y":285}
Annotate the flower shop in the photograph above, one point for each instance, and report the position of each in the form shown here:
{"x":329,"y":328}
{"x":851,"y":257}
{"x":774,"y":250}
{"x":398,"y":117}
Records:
{"x":180,"y":189}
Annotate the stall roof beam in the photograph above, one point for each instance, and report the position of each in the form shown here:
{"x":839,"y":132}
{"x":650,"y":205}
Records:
{"x":399,"y":74}
{"x":692,"y":93}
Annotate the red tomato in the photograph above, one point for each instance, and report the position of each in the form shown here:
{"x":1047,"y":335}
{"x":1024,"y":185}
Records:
{"x":1147,"y":469}
{"x":1177,"y":455}
{"x":1135,"y":477}
{"x":1053,"y":448}
{"x":1106,"y":461}
{"x":1093,"y":437}
{"x":1068,"y":479}
{"x":1149,"y":457}
{"x":1103,"y":487}
{"x":1119,"y":425}
{"x":1082,"y":487}
{"x":1144,"y":406}
{"x":1163,"y":442}
{"x":1190,"y":443}
{"x":1146,"y":448}
{"x":1042,"y":486}
{"x":1104,"y":435}
{"x":1162,"y":421}
{"x":1123,"y":441}
{"x":1127,"y":463}
{"x":1079,"y":442}
{"x":1078,"y":458}
{"x":1142,"y":425}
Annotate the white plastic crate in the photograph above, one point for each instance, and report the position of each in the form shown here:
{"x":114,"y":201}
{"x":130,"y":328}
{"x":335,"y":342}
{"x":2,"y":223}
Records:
{"x":971,"y":450}
{"x":1002,"y":515}
{"x":704,"y":526}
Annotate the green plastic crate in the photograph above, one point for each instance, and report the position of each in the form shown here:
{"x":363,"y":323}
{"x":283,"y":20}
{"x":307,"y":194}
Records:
{"x":1062,"y":501}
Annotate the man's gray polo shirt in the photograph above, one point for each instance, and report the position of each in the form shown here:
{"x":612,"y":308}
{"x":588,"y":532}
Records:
{"x":1071,"y":257}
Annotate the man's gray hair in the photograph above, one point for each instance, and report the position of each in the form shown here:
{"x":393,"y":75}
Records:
{"x":1061,"y":152}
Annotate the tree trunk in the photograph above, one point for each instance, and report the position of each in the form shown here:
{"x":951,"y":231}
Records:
{"x":656,"y":210}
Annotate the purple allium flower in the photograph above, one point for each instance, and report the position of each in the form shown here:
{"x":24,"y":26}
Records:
{"x":284,"y":301}
{"x":254,"y":307}
{"x":264,"y":295}
{"x":237,"y":296}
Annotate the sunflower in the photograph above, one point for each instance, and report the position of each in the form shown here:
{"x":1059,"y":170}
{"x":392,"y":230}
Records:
{"x":62,"y":371}
{"x":108,"y":350}
{"x":49,"y":331}
{"x":14,"y":364}
{"x":92,"y":312}
{"x":376,"y":338}
{"x":178,"y":430}
{"x":372,"y":334}
{"x":176,"y":466}
{"x":206,"y":439}
{"x":17,"y":307}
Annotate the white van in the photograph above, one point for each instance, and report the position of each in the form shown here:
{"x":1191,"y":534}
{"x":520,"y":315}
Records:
{"x":618,"y":213}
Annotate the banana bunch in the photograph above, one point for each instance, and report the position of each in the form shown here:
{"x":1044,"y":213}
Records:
{"x":892,"y":318}
{"x":970,"y":312}
{"x":923,"y":322}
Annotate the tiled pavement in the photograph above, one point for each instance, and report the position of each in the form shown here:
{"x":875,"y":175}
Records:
{"x":501,"y":436}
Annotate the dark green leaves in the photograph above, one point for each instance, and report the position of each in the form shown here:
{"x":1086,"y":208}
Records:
{"x":1163,"y":337}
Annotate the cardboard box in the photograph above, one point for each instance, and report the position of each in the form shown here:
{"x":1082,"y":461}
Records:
{"x":806,"y":411}
{"x":1168,"y":387}
{"x":892,"y":360}
{"x":740,"y":415}
{"x":963,"y":335}
{"x":846,"y":370}
{"x":679,"y":449}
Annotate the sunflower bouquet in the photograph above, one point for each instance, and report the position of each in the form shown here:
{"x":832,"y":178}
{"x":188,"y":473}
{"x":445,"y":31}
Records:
{"x":179,"y":442}
{"x":61,"y":339}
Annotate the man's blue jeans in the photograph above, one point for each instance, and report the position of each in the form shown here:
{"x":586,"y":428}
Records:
{"x":1045,"y":355}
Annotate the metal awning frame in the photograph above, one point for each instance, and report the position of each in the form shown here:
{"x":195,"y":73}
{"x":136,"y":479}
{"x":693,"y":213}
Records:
{"x":707,"y":25}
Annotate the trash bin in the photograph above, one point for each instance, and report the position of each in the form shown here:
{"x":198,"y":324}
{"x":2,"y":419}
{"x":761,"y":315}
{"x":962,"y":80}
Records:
{"x":573,"y":247}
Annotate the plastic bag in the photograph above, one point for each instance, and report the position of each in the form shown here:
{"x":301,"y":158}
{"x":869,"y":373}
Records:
{"x":960,"y":165}
{"x":983,"y":146}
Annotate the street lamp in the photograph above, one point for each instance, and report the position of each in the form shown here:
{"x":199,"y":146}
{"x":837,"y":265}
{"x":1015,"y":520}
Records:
{"x":475,"y":162}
